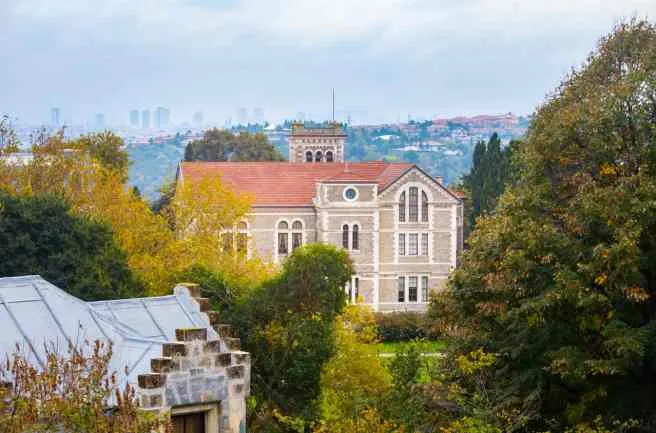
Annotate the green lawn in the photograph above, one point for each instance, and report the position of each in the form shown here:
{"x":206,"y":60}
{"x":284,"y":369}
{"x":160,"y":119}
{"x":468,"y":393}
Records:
{"x":424,"y":345}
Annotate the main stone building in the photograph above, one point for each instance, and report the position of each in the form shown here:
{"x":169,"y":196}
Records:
{"x":401,"y":227}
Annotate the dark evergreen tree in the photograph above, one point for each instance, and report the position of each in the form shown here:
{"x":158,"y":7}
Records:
{"x":222,"y":145}
{"x":38,"y":235}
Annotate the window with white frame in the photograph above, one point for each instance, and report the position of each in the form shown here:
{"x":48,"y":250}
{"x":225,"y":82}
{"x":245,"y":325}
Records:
{"x":424,"y":288}
{"x":283,"y":238}
{"x":351,"y":237}
{"x":242,"y":237}
{"x":353,"y":290}
{"x":412,"y":288}
{"x":297,"y":234}
{"x":413,"y":241}
{"x":414,"y":209}
{"x":409,"y":244}
{"x":235,"y":239}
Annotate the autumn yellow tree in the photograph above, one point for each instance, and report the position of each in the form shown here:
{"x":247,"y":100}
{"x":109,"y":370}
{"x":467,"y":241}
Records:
{"x":90,"y":174}
{"x":354,"y":381}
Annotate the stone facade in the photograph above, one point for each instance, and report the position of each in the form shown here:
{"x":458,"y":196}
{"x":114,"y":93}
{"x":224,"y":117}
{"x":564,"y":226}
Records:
{"x":211,"y":376}
{"x":379,"y":260}
{"x":316,"y":144}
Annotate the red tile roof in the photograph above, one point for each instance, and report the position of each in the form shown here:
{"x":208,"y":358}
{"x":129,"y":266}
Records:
{"x":292,"y":184}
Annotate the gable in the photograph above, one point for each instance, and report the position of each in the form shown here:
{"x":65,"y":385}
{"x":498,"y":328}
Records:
{"x":415,"y":175}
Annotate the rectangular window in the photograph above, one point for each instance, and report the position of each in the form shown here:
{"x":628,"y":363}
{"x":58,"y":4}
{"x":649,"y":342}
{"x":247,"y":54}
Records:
{"x":402,"y":244}
{"x":413,"y":204}
{"x":412,"y":289}
{"x":402,"y":208}
{"x":424,"y":289}
{"x":412,"y":244}
{"x":356,"y":280}
{"x":297,"y":240}
{"x":349,"y":292}
{"x":401,"y":289}
{"x":424,"y":244}
{"x":283,"y":248}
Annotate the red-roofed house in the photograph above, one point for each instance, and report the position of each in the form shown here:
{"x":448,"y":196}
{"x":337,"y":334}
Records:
{"x":402,"y":228}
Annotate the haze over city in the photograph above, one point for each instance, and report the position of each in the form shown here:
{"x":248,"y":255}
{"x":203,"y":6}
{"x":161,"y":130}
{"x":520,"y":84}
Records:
{"x":388,"y":59}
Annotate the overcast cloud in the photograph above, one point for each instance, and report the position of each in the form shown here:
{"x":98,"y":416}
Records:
{"x":387,"y":58}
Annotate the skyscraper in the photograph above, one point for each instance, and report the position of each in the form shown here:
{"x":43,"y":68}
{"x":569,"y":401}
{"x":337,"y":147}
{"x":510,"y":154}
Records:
{"x":198,"y":119}
{"x":99,"y":121}
{"x":145,"y":119}
{"x":134,"y":118}
{"x":258,"y":115}
{"x":55,"y":117}
{"x":242,"y":116}
{"x":162,"y":117}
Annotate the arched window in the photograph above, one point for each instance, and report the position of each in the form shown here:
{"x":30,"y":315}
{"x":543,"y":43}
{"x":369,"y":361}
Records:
{"x":345,"y":236}
{"x":318,"y":156}
{"x":329,"y":156}
{"x":283,"y":238}
{"x":297,"y":234}
{"x":402,"y":207}
{"x":308,"y":156}
{"x":242,"y":237}
{"x":413,"y":204}
{"x":355,"y":244}
{"x":424,"y":207}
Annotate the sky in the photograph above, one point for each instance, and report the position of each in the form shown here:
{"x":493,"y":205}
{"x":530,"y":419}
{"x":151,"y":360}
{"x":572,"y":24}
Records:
{"x":386,"y":59}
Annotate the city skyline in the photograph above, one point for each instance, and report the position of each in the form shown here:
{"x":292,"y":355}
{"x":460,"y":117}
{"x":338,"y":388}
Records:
{"x":387,"y":59}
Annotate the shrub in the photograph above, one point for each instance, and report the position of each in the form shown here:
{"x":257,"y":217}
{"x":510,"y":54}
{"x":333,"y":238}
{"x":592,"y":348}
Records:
{"x":404,"y":326}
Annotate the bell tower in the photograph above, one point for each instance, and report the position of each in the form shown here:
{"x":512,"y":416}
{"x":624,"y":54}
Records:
{"x":317,"y":145}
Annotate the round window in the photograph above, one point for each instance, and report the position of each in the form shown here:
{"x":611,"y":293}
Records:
{"x":350,"y":193}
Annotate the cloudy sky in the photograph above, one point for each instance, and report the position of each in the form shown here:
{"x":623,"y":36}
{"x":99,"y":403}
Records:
{"x":387,"y":59}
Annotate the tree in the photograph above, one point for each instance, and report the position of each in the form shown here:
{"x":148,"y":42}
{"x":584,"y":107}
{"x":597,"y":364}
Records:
{"x":491,"y":172}
{"x":223,"y":145}
{"x":354,"y":380}
{"x":107,"y":148}
{"x":72,"y":393}
{"x":559,"y":282}
{"x":287,"y":325}
{"x":39,"y":235}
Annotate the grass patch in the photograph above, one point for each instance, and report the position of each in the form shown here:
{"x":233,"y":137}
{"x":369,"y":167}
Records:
{"x":425,"y":346}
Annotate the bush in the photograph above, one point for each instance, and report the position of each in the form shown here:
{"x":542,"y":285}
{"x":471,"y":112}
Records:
{"x":404,"y":326}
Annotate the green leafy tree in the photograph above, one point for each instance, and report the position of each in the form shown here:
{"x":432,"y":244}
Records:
{"x":39,"y":235}
{"x":559,"y":283}
{"x":288,"y":327}
{"x":223,"y":145}
{"x":107,"y":148}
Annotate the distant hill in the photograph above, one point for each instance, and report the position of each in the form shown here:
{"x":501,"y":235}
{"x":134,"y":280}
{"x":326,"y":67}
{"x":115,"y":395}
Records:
{"x":442,"y":147}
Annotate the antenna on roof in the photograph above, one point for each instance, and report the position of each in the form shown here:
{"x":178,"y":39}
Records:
{"x":333,"y":105}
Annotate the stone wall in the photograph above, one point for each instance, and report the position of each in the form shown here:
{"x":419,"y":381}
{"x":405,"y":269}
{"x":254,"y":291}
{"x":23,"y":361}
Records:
{"x":196,"y":370}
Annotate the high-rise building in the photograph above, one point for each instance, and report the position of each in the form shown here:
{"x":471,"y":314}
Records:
{"x":145,"y":119}
{"x":198,"y":119}
{"x":99,"y":121}
{"x":55,"y":117}
{"x":134,"y":118}
{"x":258,"y":115}
{"x":162,"y":117}
{"x":242,"y":116}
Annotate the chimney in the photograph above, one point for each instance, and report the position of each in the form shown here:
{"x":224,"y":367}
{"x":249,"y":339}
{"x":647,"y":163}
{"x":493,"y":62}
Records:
{"x":440,"y":180}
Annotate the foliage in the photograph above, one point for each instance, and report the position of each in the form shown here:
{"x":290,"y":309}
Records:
{"x":9,"y":141}
{"x":106,"y":148}
{"x":354,"y":380}
{"x":559,"y":282}
{"x":155,"y":252}
{"x":491,"y":172}
{"x":405,"y":326}
{"x":39,"y":235}
{"x":369,"y":421}
{"x":72,"y":393}
{"x":223,"y":145}
{"x":287,"y":325}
